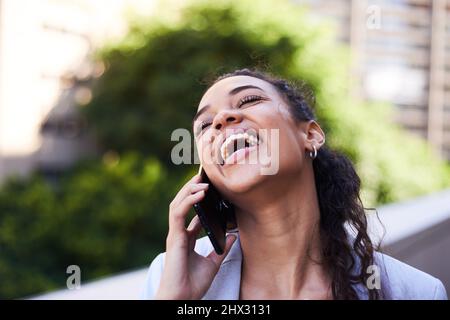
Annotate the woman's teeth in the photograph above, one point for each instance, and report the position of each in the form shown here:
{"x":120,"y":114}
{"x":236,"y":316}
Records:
{"x":236,"y":142}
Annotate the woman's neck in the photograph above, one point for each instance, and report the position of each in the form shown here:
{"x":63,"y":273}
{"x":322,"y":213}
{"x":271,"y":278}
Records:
{"x":280,"y":241}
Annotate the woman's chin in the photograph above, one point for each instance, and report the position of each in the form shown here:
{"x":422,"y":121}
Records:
{"x":241,"y":178}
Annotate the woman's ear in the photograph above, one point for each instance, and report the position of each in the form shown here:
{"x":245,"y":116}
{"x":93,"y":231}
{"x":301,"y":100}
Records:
{"x":314,"y":135}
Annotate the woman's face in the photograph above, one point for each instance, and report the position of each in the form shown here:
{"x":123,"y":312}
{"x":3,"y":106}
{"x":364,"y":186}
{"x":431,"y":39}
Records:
{"x":254,"y":108}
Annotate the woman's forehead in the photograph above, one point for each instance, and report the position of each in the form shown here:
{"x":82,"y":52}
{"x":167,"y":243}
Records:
{"x":221,"y":88}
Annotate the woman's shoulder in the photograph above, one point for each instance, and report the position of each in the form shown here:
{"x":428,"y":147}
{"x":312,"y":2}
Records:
{"x":402,"y":281}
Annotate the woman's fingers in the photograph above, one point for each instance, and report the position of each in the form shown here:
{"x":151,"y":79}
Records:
{"x":177,"y":208}
{"x":216,"y":258}
{"x":194,"y":229}
{"x":194,"y":179}
{"x":194,"y":226}
{"x":177,"y":215}
{"x":191,"y":189}
{"x":192,"y":186}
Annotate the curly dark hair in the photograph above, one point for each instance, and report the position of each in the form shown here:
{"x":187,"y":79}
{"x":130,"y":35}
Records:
{"x":338,"y":188}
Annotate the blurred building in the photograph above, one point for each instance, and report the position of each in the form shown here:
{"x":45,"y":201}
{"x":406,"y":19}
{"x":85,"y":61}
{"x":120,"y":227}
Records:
{"x":400,"y":54}
{"x":45,"y":66}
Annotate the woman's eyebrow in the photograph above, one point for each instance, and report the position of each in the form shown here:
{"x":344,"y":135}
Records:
{"x":239,"y":89}
{"x":202,"y":110}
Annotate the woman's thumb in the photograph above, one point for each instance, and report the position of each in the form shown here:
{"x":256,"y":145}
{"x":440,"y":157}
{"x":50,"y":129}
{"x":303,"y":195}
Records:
{"x":228,"y":244}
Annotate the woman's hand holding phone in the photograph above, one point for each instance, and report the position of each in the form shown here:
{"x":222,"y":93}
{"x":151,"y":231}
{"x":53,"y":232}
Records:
{"x":187,"y":275}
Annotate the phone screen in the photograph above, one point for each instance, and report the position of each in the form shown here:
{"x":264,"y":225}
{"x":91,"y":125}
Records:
{"x":213,"y":213}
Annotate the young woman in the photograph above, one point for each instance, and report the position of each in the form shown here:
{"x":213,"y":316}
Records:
{"x":292,"y":240}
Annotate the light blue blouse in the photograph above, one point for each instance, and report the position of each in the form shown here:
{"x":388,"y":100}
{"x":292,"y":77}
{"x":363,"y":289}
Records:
{"x":399,"y":281}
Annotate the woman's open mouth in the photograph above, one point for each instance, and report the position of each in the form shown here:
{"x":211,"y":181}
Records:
{"x":237,"y":146}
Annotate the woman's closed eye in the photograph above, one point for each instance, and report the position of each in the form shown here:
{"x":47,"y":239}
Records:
{"x":245,"y":100}
{"x":205,"y":125}
{"x":202,"y":126}
{"x":249,"y":99}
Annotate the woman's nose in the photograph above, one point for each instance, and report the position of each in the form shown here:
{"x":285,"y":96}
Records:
{"x":225,"y":118}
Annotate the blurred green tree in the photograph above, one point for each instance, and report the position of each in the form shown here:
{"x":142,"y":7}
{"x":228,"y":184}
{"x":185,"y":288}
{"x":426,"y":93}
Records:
{"x":102,"y":216}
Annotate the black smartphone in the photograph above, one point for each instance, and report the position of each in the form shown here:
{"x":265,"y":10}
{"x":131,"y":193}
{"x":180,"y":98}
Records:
{"x":216,"y":215}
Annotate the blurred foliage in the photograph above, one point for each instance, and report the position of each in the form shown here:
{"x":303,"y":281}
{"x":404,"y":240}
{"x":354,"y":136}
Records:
{"x":102,"y":216}
{"x":110,"y":216}
{"x":155,"y":78}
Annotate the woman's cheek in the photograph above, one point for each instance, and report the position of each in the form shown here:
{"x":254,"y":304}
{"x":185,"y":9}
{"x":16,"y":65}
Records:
{"x":200,"y":146}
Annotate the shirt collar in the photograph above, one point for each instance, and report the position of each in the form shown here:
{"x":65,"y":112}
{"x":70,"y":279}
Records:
{"x":227,"y":283}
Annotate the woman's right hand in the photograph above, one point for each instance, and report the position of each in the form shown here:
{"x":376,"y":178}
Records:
{"x":186,"y":274}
